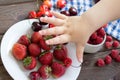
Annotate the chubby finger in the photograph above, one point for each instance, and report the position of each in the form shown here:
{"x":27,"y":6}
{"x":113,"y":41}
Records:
{"x":52,"y":20}
{"x":59,"y":39}
{"x":58,"y":15}
{"x":52,"y":31}
{"x":79,"y":52}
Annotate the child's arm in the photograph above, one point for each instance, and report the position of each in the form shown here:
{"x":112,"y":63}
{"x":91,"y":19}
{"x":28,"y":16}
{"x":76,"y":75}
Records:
{"x":77,"y":29}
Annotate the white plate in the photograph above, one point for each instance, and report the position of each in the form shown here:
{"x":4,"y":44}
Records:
{"x":15,"y":68}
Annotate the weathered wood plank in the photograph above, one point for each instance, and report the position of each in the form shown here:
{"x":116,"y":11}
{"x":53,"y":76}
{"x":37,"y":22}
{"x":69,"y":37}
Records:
{"x":6,"y":2}
{"x":13,"y":13}
{"x":91,"y":72}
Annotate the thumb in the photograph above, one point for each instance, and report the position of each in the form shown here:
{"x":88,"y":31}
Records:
{"x":79,"y":52}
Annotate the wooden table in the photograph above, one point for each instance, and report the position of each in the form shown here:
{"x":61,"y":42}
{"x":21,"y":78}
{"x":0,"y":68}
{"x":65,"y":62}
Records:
{"x":12,"y":11}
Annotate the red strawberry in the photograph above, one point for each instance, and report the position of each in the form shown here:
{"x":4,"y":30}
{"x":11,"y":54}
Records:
{"x":115,"y":44}
{"x":60,"y":52}
{"x":46,"y":58}
{"x":44,"y":71}
{"x":61,"y":3}
{"x":29,"y":63}
{"x":109,"y":38}
{"x":24,"y":40}
{"x":43,"y":44}
{"x":100,"y":63}
{"x":32,"y":14}
{"x":51,"y":25}
{"x":114,"y":53}
{"x":35,"y":38}
{"x":67,"y":62}
{"x":48,"y":3}
{"x":43,"y":8}
{"x":108,"y":45}
{"x":34,"y":50}
{"x":117,"y":58}
{"x":19,"y":51}
{"x":108,"y":59}
{"x":34,"y":75}
{"x":57,"y":69}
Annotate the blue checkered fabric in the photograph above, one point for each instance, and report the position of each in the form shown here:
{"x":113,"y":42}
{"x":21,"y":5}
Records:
{"x":112,"y":29}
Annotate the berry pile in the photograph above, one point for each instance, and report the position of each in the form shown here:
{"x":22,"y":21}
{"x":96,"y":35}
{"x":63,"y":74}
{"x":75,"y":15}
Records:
{"x":113,"y":55}
{"x":33,"y":50}
{"x":97,"y":37}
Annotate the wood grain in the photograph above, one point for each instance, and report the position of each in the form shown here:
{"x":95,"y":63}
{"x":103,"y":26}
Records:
{"x":11,"y":14}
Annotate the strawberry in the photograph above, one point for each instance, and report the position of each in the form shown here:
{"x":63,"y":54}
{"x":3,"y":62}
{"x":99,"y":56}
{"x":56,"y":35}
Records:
{"x":100,"y":62}
{"x":108,"y":59}
{"x":48,"y":3}
{"x":32,"y":14}
{"x":108,"y":45}
{"x":60,"y":52}
{"x":43,"y":44}
{"x":24,"y":40}
{"x":67,"y":62}
{"x":29,"y":63}
{"x":46,"y":58}
{"x":44,"y":71}
{"x":35,"y":38}
{"x":19,"y":51}
{"x":114,"y":53}
{"x":34,"y":49}
{"x":61,"y":3}
{"x":115,"y":44}
{"x":34,"y":75}
{"x":58,"y":69}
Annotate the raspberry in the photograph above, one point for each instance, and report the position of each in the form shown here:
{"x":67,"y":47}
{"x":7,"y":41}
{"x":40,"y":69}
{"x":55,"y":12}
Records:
{"x":109,"y":38}
{"x":101,"y":32}
{"x":115,"y":44}
{"x":100,"y":62}
{"x":114,"y":53}
{"x":117,"y":58}
{"x":99,"y":40}
{"x":108,"y":59}
{"x":108,"y":45}
{"x":94,"y":35}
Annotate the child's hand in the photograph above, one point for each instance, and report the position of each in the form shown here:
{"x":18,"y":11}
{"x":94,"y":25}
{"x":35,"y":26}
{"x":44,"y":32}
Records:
{"x":70,"y":29}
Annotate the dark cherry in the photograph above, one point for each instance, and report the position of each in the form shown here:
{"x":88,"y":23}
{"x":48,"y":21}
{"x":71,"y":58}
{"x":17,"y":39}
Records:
{"x":43,"y":23}
{"x":73,"y":11}
{"x":96,"y":1}
{"x":65,"y":13}
{"x":34,"y":75}
{"x":36,"y":26}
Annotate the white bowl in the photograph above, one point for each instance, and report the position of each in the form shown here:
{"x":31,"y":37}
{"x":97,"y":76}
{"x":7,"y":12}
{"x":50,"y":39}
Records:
{"x":89,"y":48}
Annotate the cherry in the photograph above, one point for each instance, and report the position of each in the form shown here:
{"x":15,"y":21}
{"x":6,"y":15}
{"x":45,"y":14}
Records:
{"x":34,"y":75}
{"x":36,"y":26}
{"x":96,"y":1}
{"x":73,"y":11}
{"x":65,"y":13}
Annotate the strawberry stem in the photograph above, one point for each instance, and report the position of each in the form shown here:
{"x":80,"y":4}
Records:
{"x":27,"y":61}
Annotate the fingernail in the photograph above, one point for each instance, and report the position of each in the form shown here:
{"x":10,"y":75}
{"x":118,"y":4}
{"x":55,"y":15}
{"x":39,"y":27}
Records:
{"x":41,"y":18}
{"x":80,"y":60}
{"x":47,"y":42}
